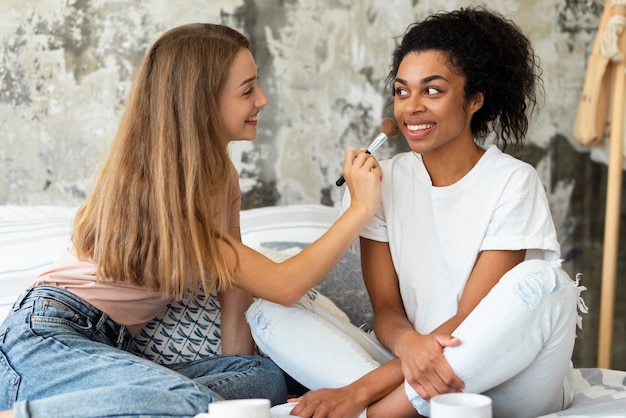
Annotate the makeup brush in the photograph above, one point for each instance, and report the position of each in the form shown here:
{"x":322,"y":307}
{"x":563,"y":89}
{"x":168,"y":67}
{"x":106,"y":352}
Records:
{"x":388,"y":128}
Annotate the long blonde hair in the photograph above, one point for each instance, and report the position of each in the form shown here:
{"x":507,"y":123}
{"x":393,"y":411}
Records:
{"x":150,"y":217}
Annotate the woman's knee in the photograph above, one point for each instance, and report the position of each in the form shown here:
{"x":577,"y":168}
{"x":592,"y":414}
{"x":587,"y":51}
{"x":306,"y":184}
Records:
{"x":250,"y":377}
{"x":533,"y":280}
{"x":261,"y":315}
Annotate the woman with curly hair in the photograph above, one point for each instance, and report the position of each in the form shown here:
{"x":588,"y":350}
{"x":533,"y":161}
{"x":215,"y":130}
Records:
{"x":160,"y":224}
{"x":461,"y":261}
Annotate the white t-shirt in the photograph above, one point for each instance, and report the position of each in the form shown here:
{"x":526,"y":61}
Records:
{"x":436,"y":233}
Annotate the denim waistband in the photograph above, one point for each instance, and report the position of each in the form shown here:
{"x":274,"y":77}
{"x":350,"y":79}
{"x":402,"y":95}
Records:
{"x":117,"y":334}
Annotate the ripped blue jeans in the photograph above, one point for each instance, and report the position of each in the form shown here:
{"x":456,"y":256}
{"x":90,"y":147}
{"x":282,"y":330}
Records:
{"x":516,"y":344}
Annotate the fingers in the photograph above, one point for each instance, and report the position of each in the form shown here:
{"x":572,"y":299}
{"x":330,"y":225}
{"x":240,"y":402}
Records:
{"x":428,"y":371}
{"x":430,"y":382}
{"x":433,"y":385}
{"x":310,"y":407}
{"x":447,"y":340}
{"x":446,"y":372}
{"x":360,"y":159}
{"x":360,"y":166}
{"x":328,"y":403}
{"x":363,"y":176}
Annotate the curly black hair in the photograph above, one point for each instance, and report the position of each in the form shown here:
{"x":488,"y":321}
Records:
{"x":496,"y":59}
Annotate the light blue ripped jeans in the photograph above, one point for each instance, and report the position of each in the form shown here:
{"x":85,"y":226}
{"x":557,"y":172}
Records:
{"x":62,"y":357}
{"x":516,"y":344}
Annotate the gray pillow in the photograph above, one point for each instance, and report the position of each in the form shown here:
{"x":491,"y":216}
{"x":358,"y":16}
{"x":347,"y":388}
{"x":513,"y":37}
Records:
{"x":343,"y":285}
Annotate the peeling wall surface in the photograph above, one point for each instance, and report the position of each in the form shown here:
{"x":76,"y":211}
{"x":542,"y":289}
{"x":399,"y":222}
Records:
{"x":66,"y":67}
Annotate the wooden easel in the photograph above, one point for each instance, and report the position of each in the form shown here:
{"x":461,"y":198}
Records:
{"x":613,"y":204}
{"x":605,"y":90}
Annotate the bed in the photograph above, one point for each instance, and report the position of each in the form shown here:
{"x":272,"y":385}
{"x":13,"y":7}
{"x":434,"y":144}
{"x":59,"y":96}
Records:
{"x":32,"y":237}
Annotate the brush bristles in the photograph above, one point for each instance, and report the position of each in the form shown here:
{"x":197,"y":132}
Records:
{"x":389,"y":127}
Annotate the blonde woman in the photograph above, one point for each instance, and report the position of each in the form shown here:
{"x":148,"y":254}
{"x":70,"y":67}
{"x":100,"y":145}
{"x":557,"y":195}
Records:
{"x":161,"y":222}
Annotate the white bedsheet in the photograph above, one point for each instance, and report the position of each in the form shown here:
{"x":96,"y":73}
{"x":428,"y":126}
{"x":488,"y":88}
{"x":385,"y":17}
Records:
{"x":31,"y":238}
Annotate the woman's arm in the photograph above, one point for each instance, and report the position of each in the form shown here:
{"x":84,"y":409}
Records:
{"x":420,"y":355}
{"x":381,"y":281}
{"x":489,"y":268}
{"x":235,"y":331}
{"x":286,"y":282}
{"x":234,"y":302}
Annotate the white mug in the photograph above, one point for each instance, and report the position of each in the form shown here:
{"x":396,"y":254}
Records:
{"x":460,"y":405}
{"x":239,"y":408}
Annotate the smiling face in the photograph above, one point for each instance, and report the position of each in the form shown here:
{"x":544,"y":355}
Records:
{"x":241,"y":98}
{"x":430,"y":105}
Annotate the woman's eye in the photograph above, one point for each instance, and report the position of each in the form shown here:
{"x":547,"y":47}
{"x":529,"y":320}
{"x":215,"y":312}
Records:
{"x":399,"y":91}
{"x":432,"y":90}
{"x":251,"y":89}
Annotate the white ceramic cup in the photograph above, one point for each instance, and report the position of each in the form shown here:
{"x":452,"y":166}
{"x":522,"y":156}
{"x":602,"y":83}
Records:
{"x":460,"y":405}
{"x":239,"y":408}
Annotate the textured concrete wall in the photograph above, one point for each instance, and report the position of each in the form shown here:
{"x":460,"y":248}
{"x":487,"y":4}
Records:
{"x":66,"y":67}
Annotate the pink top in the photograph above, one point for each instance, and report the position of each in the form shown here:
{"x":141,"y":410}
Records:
{"x":123,"y":303}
